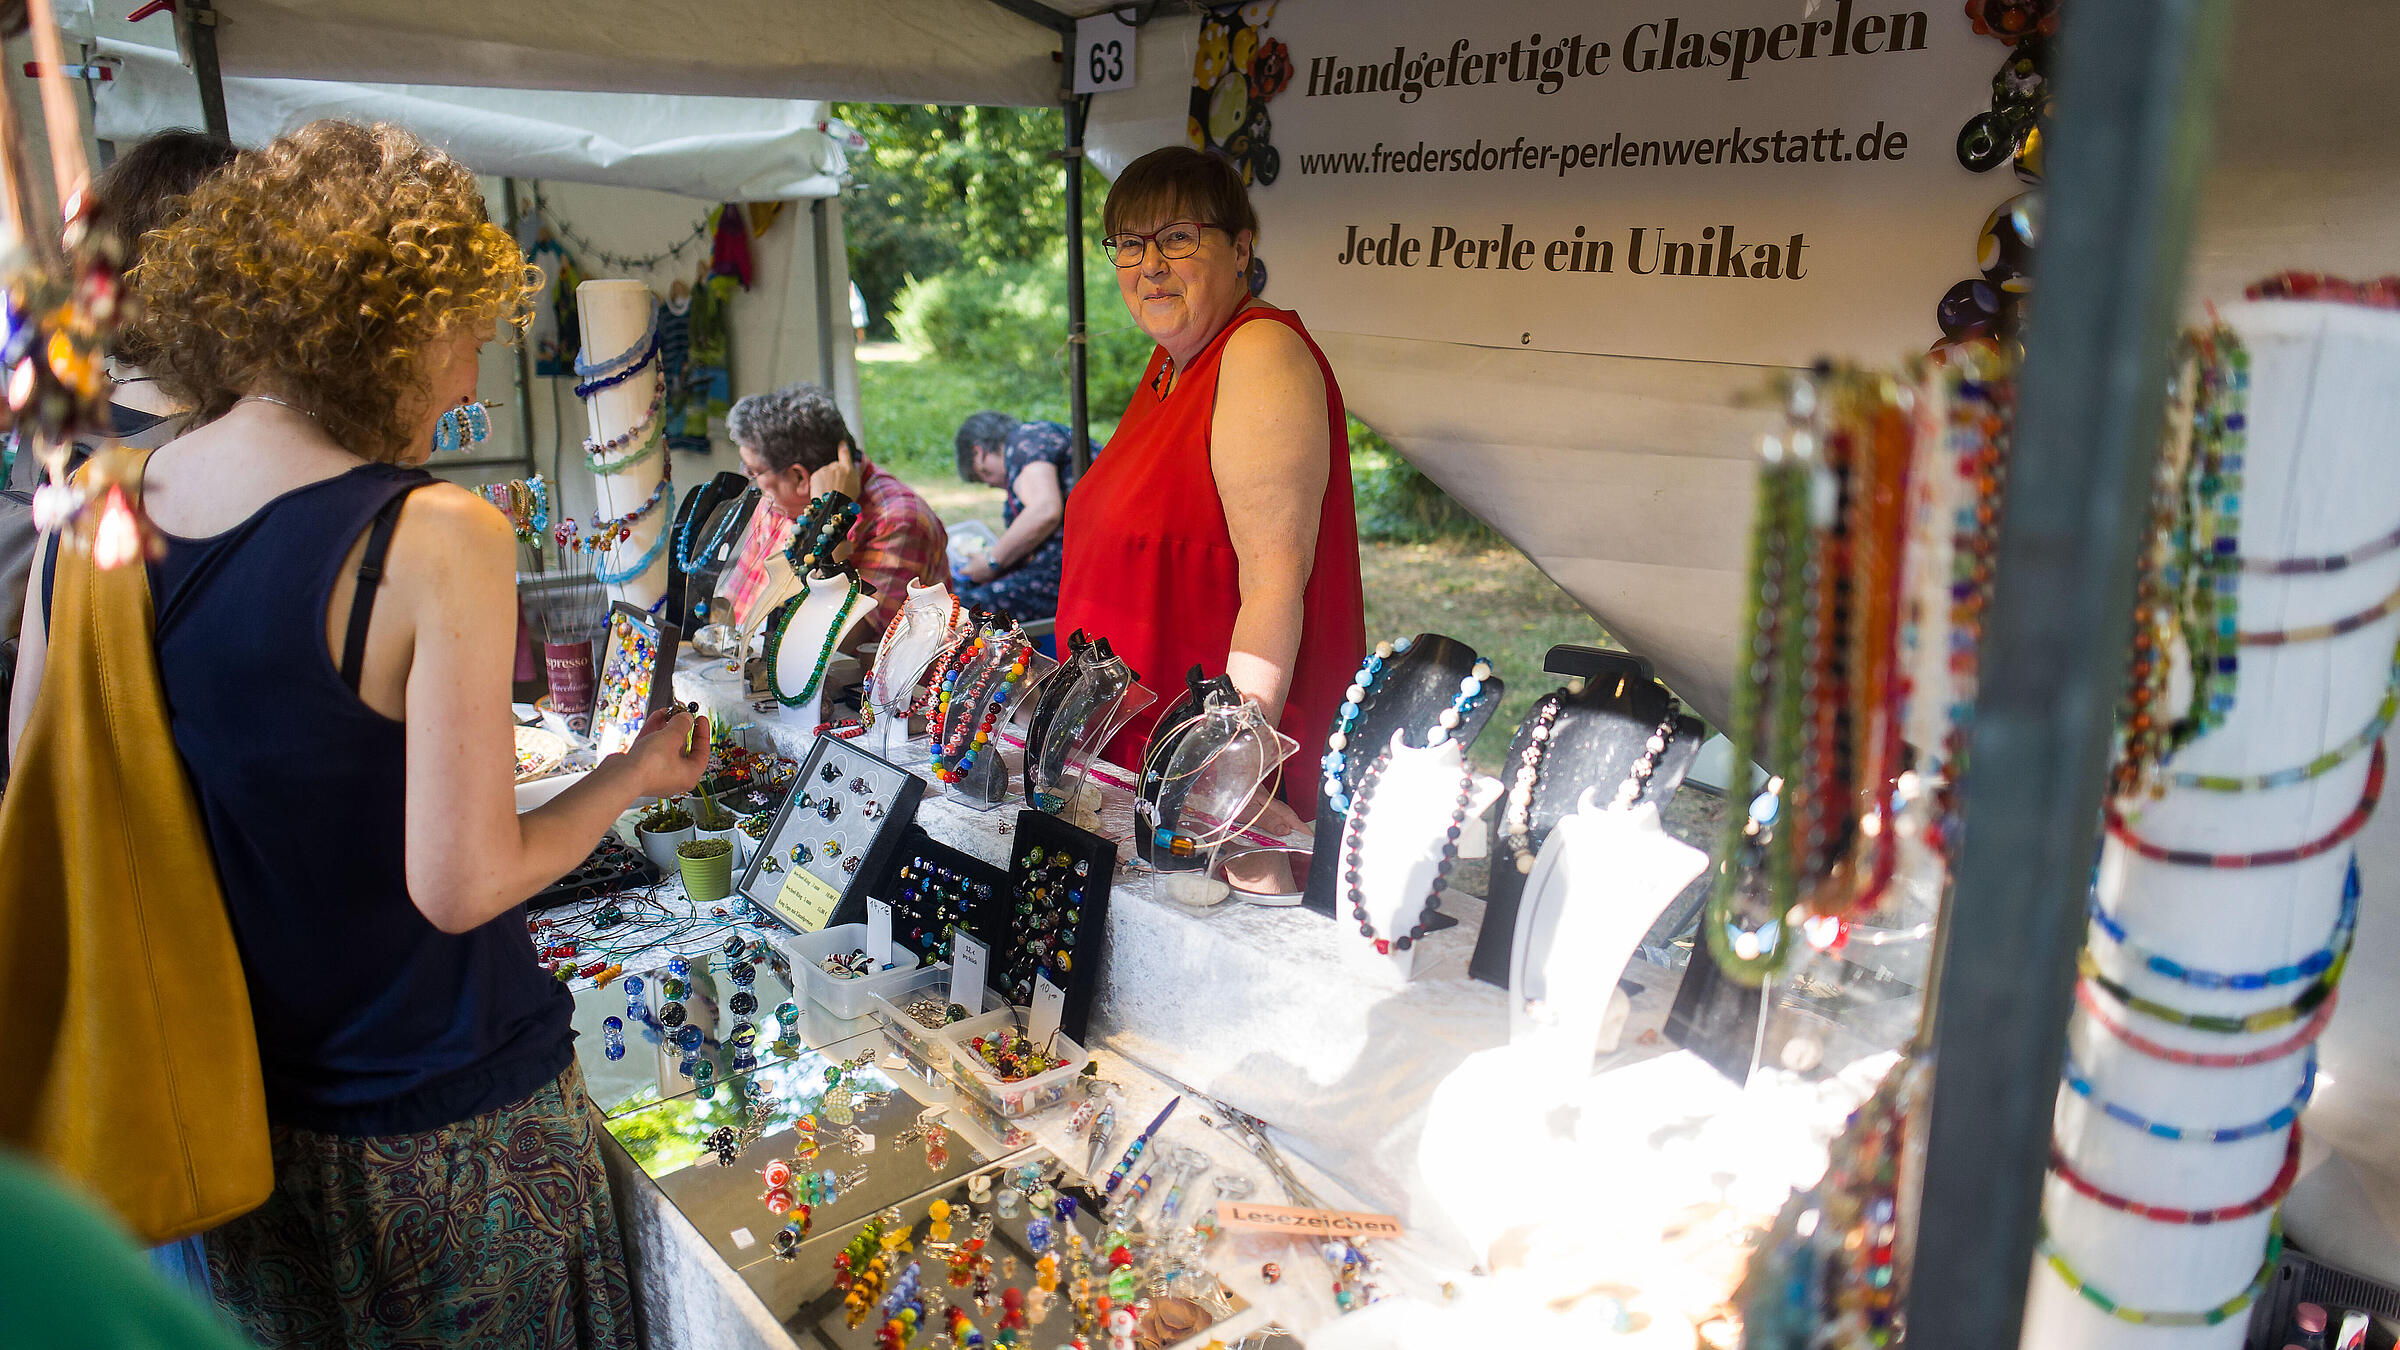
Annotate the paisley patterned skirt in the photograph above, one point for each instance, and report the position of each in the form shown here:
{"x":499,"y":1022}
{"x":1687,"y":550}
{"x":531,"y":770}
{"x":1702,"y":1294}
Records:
{"x":496,"y":1231}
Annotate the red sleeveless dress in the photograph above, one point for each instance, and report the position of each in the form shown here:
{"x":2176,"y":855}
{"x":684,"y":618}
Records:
{"x":1150,"y":566}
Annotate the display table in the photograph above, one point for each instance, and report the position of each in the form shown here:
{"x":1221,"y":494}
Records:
{"x":1389,"y":1095}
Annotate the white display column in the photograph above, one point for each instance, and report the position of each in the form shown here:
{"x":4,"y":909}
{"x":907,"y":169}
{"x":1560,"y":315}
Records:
{"x":617,"y":315}
{"x":2192,"y":1119}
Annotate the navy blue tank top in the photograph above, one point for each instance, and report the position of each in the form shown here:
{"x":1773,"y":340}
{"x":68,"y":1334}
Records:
{"x":370,"y":1019}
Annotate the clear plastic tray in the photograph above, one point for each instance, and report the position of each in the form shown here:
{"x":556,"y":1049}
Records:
{"x":845,"y":999}
{"x":888,"y":1005}
{"x":1024,"y":1097}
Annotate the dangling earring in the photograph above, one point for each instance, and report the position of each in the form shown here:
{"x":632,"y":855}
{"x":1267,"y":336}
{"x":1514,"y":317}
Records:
{"x":467,"y":424}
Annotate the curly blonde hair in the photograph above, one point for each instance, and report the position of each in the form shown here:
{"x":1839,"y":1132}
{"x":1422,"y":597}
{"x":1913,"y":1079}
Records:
{"x":323,"y":267}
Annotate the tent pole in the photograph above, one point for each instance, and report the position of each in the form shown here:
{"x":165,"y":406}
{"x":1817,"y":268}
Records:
{"x":203,"y":39}
{"x":524,"y":363}
{"x":824,"y":242}
{"x":2137,"y":95}
{"x":1078,"y":350}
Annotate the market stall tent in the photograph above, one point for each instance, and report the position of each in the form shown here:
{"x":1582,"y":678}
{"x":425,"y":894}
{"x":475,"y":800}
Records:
{"x":1627,"y":480}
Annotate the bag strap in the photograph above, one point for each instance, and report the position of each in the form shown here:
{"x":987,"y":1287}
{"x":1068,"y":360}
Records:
{"x":370,"y":575}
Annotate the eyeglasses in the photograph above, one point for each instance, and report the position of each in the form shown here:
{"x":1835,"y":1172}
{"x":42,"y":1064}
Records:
{"x":1176,"y":239}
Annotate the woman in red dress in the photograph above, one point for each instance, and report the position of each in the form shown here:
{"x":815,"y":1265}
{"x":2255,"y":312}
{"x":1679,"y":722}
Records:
{"x":1218,"y":530}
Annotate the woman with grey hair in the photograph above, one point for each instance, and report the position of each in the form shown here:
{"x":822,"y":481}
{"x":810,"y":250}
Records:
{"x":1018,"y":575}
{"x":795,"y":446}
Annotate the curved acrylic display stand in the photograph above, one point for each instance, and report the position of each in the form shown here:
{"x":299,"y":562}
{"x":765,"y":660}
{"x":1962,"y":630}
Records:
{"x":1198,"y":796}
{"x":1084,"y":703}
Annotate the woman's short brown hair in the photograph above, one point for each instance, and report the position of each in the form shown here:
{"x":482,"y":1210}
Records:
{"x":322,"y":267}
{"x":1177,"y":182}
{"x":144,"y":189}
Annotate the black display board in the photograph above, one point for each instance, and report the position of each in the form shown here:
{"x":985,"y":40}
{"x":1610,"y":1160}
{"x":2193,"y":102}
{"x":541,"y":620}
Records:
{"x":1413,"y":690}
{"x":930,"y":886}
{"x":1090,"y":868}
{"x":872,"y":799}
{"x":1598,"y":736}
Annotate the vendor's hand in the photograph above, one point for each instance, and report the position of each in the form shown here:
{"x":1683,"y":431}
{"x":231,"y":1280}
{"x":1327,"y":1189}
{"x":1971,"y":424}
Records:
{"x":658,"y":760}
{"x":980,"y":568}
{"x":1267,"y":815}
{"x":842,"y":476}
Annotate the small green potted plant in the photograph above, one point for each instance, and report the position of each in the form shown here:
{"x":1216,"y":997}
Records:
{"x":711,"y":821}
{"x":660,"y":829}
{"x":707,"y":866}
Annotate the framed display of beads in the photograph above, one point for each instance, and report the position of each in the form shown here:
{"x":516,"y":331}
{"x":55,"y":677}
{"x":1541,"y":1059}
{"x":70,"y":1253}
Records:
{"x":832,"y":836}
{"x":932,"y":888}
{"x":1057,"y":917}
{"x":632,"y":687}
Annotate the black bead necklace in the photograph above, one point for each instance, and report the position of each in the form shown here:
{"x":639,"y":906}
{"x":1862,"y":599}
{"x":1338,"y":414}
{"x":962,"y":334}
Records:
{"x":1441,"y":869}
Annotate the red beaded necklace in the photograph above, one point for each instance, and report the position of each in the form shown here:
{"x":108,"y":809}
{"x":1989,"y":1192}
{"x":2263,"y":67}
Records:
{"x":2351,"y":824}
{"x":2276,"y":1190}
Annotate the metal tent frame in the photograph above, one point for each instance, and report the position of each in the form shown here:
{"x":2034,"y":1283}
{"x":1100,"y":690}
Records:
{"x":2138,"y":80}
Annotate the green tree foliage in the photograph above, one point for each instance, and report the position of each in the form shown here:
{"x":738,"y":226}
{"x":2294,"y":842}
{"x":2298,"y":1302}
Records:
{"x":947,"y":187}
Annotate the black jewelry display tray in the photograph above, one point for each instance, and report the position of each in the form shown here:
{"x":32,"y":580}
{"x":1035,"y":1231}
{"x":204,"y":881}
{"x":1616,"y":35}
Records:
{"x":983,"y":917}
{"x":1037,"y":829}
{"x":612,"y":867}
{"x":872,"y":842}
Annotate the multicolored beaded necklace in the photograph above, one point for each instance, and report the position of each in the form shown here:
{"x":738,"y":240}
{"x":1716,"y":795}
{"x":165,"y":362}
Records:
{"x":957,"y":739}
{"x":2089,"y":999}
{"x":2276,"y":1190}
{"x":2273,"y":857}
{"x":2337,"y":562}
{"x":2080,"y":1084}
{"x":2318,"y":632}
{"x":2307,"y":967}
{"x":607,"y":533}
{"x":825,"y":526}
{"x":2264,"y":1020}
{"x":1979,"y":400}
{"x":853,"y":589}
{"x":649,"y":432}
{"x":2206,"y":1318}
{"x":1336,"y":760}
{"x":643,"y":354}
{"x":2369,"y":735}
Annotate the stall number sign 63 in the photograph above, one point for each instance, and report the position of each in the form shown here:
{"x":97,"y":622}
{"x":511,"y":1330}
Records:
{"x":1103,"y":54}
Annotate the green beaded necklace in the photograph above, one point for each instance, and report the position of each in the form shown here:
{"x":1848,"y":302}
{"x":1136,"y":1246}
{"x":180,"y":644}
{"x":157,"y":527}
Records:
{"x":2208,"y":1317}
{"x":833,"y":633}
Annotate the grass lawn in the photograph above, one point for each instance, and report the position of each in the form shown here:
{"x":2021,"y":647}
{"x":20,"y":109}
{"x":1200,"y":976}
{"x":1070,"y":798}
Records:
{"x":1491,"y":598}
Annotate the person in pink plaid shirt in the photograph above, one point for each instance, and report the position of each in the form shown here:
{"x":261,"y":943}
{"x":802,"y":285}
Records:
{"x":795,"y":446}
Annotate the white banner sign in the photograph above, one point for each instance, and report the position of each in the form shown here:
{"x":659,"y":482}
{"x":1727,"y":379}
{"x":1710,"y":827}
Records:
{"x":1758,"y":181}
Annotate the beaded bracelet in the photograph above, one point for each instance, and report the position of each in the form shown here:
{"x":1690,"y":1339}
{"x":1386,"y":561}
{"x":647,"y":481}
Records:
{"x":591,"y":387}
{"x":2266,"y":1020}
{"x":2316,"y":632}
{"x":2276,"y":1190}
{"x":2206,"y":1318}
{"x":2081,"y":1086}
{"x":610,"y":365}
{"x":2315,"y":963}
{"x":2337,"y":562}
{"x":2369,"y":735}
{"x":2274,"y":857}
{"x":2307,"y":1035}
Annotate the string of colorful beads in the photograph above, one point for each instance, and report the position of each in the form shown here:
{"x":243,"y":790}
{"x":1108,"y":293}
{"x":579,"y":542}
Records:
{"x":2315,"y":963}
{"x":2088,"y":998}
{"x":607,"y":533}
{"x":957,"y":753}
{"x":639,"y":354}
{"x":1345,"y":724}
{"x":645,"y":437}
{"x":2350,"y":825}
{"x":827,"y":524}
{"x":2369,"y":735}
{"x":2081,"y":1085}
{"x":2207,"y":1317}
{"x":2264,"y":1020}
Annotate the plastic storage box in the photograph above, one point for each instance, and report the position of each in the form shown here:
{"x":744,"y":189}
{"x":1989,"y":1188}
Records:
{"x":1024,"y":1097}
{"x":888,"y":1005}
{"x":843,"y":998}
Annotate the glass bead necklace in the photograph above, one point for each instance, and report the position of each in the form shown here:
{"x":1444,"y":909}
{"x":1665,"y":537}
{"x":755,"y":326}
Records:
{"x":607,"y":533}
{"x":645,"y":437}
{"x":648,"y":349}
{"x":2208,"y":1317}
{"x":2089,"y":999}
{"x":2337,"y":562}
{"x":1346,"y":721}
{"x":2274,"y":857}
{"x":2369,"y":735}
{"x":2272,"y":1196}
{"x":1352,"y":854}
{"x":2315,"y":963}
{"x":2080,"y":1084}
{"x":640,"y":352}
{"x":2264,"y":1020}
{"x":852,"y":590}
{"x":687,"y":561}
{"x":2318,"y":632}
